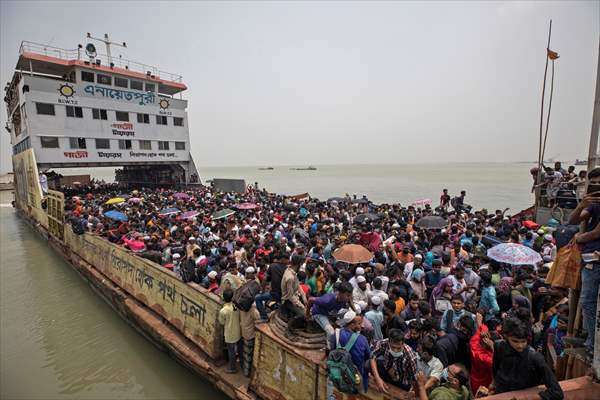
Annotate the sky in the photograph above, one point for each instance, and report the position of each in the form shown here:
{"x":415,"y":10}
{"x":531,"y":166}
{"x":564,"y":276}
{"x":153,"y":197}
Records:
{"x":298,"y":83}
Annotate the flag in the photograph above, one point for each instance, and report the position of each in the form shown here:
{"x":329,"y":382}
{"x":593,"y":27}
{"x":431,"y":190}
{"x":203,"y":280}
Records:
{"x":552,"y":54}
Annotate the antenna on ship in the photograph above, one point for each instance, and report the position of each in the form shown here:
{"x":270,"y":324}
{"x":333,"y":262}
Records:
{"x":107,"y":42}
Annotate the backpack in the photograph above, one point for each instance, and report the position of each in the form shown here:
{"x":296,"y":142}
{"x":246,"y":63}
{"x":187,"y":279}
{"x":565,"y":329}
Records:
{"x":188,"y":270}
{"x":244,"y":296}
{"x":341,"y":370}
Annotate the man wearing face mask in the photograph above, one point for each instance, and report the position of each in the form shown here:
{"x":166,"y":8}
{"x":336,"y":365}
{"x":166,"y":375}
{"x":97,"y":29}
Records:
{"x":588,"y":212}
{"x":393,"y":362}
{"x":455,"y":388}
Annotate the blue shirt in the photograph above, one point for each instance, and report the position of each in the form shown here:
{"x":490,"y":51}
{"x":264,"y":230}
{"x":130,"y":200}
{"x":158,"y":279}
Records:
{"x":593,"y":245}
{"x":327,"y":305}
{"x":360,"y":352}
{"x":488,"y":301}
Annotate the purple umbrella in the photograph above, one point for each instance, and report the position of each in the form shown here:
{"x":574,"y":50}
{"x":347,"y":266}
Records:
{"x":181,"y":196}
{"x":189,"y":214}
{"x":246,"y":206}
{"x":514,"y":254}
{"x":134,"y":200}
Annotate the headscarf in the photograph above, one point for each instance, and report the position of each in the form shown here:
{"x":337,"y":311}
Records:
{"x":505,"y":284}
{"x":522,"y":302}
{"x":439,"y":290}
{"x":417,"y":274}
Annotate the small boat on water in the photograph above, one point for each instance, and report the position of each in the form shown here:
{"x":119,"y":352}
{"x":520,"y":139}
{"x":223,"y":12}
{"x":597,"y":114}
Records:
{"x":266,"y":169}
{"x":309,"y":168}
{"x":581,"y":162}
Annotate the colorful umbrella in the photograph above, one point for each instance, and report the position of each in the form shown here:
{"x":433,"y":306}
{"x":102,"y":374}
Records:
{"x":514,"y":254}
{"x":115,"y":200}
{"x":352,"y":254}
{"x":246,"y":206}
{"x":189,"y":214}
{"x":224,"y":213}
{"x":169,"y":211}
{"x":116,"y":215}
{"x":432,"y":222}
{"x":181,"y":196}
{"x":134,"y":200}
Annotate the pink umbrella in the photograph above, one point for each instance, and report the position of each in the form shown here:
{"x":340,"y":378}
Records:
{"x":134,"y":200}
{"x":514,"y":254}
{"x":188,"y":215}
{"x":247,"y":206}
{"x":134,"y":245}
{"x":181,"y":196}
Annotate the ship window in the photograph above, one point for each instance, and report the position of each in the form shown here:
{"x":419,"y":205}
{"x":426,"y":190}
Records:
{"x":124,"y":144}
{"x":74,"y":112}
{"x":104,"y":79}
{"x":177,"y":121}
{"x":179,"y":145}
{"x":143,"y":118}
{"x":49,"y":142}
{"x":103,"y":143}
{"x":25,"y":88}
{"x":149,"y":87}
{"x":120,"y":82}
{"x":99,"y":113}
{"x":44,"y":108}
{"x":137,"y":85}
{"x":161,"y":120}
{"x":77,"y":143}
{"x":145,"y":145}
{"x":163,"y":145}
{"x":122,"y":115}
{"x":87,"y":76}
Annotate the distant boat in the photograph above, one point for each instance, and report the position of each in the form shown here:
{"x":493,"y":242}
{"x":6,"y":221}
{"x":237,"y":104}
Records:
{"x":581,"y":162}
{"x":309,"y":168}
{"x":266,"y":168}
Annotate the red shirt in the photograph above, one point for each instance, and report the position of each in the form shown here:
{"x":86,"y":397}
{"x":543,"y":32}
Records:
{"x":481,"y":361}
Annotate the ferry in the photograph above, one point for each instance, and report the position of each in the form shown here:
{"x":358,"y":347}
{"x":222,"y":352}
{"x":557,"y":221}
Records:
{"x":75,"y":107}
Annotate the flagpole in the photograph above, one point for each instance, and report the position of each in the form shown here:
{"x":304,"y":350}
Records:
{"x":540,"y":161}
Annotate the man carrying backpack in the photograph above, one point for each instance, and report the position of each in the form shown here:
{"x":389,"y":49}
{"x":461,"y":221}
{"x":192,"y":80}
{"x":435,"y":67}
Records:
{"x":346,"y":363}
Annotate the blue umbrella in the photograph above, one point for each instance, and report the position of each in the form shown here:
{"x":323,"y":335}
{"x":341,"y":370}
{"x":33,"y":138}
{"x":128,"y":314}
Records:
{"x":169,"y":211}
{"x":116,"y":215}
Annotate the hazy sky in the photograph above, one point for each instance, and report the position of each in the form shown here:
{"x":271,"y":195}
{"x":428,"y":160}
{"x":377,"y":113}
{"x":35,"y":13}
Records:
{"x":333,"y":82}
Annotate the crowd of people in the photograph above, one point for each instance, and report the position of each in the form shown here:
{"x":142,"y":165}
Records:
{"x":428,"y":311}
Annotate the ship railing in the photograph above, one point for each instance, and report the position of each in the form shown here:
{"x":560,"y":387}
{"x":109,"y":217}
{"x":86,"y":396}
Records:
{"x":79,"y":54}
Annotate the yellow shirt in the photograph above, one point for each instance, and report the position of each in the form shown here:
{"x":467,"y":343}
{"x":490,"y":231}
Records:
{"x":229,"y":317}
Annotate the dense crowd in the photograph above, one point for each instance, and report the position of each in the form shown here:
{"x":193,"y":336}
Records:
{"x":427,"y":310}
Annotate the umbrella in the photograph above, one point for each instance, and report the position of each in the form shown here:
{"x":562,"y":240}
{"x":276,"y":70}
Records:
{"x":224,"y":213}
{"x":116,"y":215}
{"x":246,"y":206}
{"x":189,"y":214}
{"x":432,"y":222}
{"x":514,"y":253}
{"x":134,"y":200}
{"x":115,"y":200}
{"x":361,"y":218}
{"x":169,"y":211}
{"x":301,"y":232}
{"x":181,"y":196}
{"x":352,"y":254}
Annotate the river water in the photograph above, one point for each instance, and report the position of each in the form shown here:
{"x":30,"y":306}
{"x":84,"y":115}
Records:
{"x":60,"y":340}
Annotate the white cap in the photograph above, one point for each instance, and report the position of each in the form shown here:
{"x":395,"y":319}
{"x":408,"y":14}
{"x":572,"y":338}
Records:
{"x":358,"y":309}
{"x":362,"y":304}
{"x":419,"y":256}
{"x":360,"y":279}
{"x":540,"y":232}
{"x":376,"y":300}
{"x":192,"y":238}
{"x":212,"y":274}
{"x":360,"y":271}
{"x":250,"y":270}
{"x":548,"y":237}
{"x":146,"y":237}
{"x":346,"y":318}
{"x":176,"y":256}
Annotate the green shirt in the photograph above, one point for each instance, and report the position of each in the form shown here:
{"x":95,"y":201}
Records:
{"x":312,"y":284}
{"x":445,"y":392}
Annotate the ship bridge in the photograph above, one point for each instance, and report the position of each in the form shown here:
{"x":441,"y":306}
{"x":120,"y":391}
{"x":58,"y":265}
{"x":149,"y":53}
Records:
{"x":77,"y":108}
